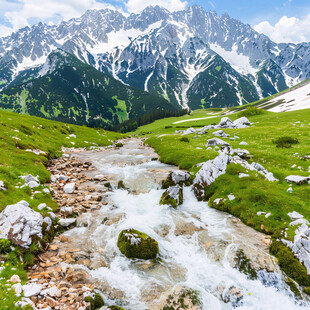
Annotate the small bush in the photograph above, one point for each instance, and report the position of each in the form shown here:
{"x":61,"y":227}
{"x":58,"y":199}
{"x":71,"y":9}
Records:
{"x":251,"y":111}
{"x":5,"y":246}
{"x":285,"y":142}
{"x":167,"y":127}
{"x":184,"y":139}
{"x":119,"y":144}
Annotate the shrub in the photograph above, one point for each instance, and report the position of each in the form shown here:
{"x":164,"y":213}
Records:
{"x":251,"y":111}
{"x":285,"y":142}
{"x":119,"y":144}
{"x":5,"y":246}
{"x":184,"y":139}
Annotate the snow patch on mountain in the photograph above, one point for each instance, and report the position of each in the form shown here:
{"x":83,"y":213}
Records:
{"x":239,"y":62}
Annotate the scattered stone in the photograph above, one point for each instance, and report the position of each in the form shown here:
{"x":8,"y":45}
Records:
{"x":42,"y":206}
{"x":18,"y":288}
{"x":216,"y":141}
{"x":231,"y":197}
{"x":66,"y":210}
{"x":46,"y":190}
{"x":189,"y":131}
{"x":2,"y":188}
{"x":135,"y":244}
{"x":15,"y":279}
{"x":19,"y":223}
{"x":297,"y":179}
{"x":243,"y":143}
{"x":295,"y":215}
{"x":225,"y":123}
{"x":63,"y":178}
{"x":29,"y":178}
{"x":243,"y":175}
{"x":179,"y":176}
{"x":217,"y":201}
{"x":221,"y":133}
{"x":33,"y":184}
{"x":69,"y":188}
{"x":32,"y":289}
{"x":290,"y":190}
{"x":52,"y":292}
{"x":67,"y":222}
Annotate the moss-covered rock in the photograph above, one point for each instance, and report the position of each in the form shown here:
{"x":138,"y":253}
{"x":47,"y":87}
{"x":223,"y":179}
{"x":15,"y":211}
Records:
{"x":177,"y":177}
{"x":244,"y":265}
{"x":116,"y":308}
{"x":289,"y":263}
{"x":173,"y":196}
{"x":135,"y":244}
{"x":96,"y":301}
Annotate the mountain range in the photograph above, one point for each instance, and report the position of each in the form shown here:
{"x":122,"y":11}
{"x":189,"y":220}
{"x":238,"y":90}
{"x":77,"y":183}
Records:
{"x":170,"y":60}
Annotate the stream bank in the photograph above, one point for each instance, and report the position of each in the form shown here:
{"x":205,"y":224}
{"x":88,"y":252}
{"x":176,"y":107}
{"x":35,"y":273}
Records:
{"x":198,"y":245}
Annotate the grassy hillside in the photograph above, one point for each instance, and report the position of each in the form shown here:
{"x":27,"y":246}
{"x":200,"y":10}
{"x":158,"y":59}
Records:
{"x":254,"y":194}
{"x":19,"y":133}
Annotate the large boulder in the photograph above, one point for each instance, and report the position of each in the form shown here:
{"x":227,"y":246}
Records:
{"x":135,"y":244}
{"x":172,"y":196}
{"x":226,"y":123}
{"x":209,"y":172}
{"x":18,"y":223}
{"x":241,"y":122}
{"x":179,"y":176}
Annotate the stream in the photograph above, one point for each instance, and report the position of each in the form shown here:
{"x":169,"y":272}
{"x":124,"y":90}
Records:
{"x":197,"y":243}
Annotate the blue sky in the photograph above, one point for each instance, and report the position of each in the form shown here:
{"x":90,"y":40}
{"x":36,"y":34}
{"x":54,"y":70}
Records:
{"x":282,"y":20}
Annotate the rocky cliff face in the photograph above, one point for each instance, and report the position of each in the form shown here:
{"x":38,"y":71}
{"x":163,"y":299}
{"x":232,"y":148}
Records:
{"x":189,"y":57}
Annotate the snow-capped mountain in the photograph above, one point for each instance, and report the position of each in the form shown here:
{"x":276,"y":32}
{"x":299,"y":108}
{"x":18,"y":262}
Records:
{"x":190,"y":57}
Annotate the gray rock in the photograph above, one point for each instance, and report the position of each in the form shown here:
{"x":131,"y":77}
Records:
{"x":211,"y":170}
{"x":243,"y":143}
{"x":290,"y":190}
{"x":241,"y":122}
{"x":63,"y":178}
{"x":189,"y":131}
{"x":33,"y":184}
{"x":2,"y":188}
{"x":216,"y":141}
{"x":231,"y":197}
{"x":30,"y":178}
{"x":297,"y":179}
{"x":295,"y":215}
{"x":17,"y":288}
{"x":226,"y":123}
{"x":69,"y":188}
{"x":243,"y":175}
{"x":46,"y":190}
{"x":179,"y":176}
{"x":42,"y":206}
{"x":67,"y":222}
{"x":32,"y":289}
{"x":221,"y":133}
{"x":19,"y":223}
{"x":52,"y":291}
{"x":66,"y":210}
{"x":49,"y":223}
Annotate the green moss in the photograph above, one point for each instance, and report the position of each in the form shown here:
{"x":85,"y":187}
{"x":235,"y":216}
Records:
{"x":244,"y":265}
{"x":135,"y":244}
{"x":121,"y":185}
{"x":307,"y":290}
{"x":116,"y":308}
{"x":289,"y":263}
{"x":5,"y":246}
{"x":184,"y":139}
{"x":166,"y":199}
{"x":293,"y":287}
{"x":119,"y":144}
{"x":95,"y":303}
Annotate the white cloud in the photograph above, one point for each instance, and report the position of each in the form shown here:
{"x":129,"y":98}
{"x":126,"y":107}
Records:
{"x":139,"y":5}
{"x":287,"y":29}
{"x":25,"y":11}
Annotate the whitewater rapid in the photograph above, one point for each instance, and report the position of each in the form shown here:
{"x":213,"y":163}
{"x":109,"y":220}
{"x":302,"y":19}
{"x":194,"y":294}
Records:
{"x":196,"y":242}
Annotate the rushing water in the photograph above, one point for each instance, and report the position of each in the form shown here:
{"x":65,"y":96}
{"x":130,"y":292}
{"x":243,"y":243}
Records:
{"x":196,"y":242}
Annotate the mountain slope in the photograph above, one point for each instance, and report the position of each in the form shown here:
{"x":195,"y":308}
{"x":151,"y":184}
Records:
{"x":167,"y":54}
{"x":66,"y":89}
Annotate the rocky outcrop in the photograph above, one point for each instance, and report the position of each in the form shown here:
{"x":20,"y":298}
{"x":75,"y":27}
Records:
{"x":297,"y":179}
{"x":19,"y":224}
{"x":31,"y":181}
{"x":173,"y":196}
{"x":135,"y":244}
{"x":209,"y":172}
